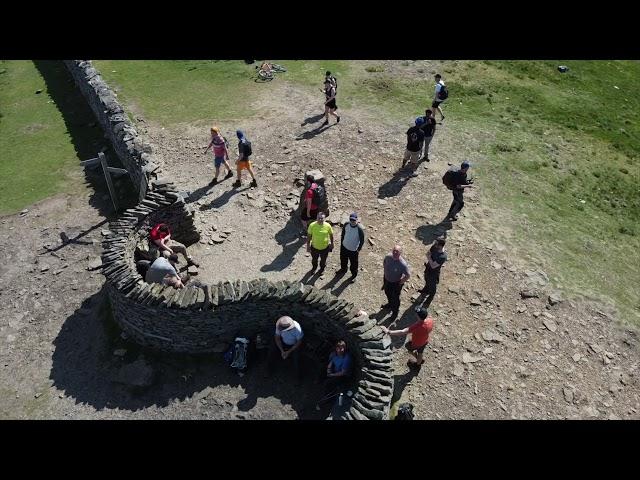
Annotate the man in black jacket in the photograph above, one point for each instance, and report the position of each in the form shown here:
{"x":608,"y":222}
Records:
{"x":457,"y":184}
{"x":351,"y":242}
{"x":429,"y":129}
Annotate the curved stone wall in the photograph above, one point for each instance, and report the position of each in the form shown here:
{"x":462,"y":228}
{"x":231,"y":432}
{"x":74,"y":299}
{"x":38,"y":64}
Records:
{"x":198,"y":318}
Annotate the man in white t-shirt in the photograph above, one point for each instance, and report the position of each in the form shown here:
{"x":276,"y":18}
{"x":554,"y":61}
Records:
{"x":287,"y":344}
{"x":437,"y":100}
{"x":351,"y":243}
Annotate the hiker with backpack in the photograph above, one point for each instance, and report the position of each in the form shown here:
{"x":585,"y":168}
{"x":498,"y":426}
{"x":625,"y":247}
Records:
{"x":315,"y":199}
{"x":243,"y":162}
{"x":455,"y":179}
{"x":435,"y":259}
{"x":319,"y":242}
{"x":420,"y":331}
{"x":415,"y":139}
{"x":429,"y":129}
{"x":287,"y":344}
{"x":220,"y":153}
{"x":351,"y":242}
{"x":332,"y":79}
{"x":330,"y":106}
{"x":441,"y":94}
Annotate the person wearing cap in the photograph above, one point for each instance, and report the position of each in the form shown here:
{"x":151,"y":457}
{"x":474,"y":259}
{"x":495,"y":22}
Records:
{"x":420,"y":332}
{"x":459,"y":182}
{"x":415,"y":139}
{"x":287,"y":343}
{"x":396,"y":272}
{"x":243,"y":162}
{"x":429,"y":129}
{"x":435,"y":259}
{"x":319,"y":242}
{"x":220,"y":153}
{"x":351,"y":242}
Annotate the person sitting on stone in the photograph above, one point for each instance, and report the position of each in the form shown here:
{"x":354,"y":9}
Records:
{"x":287,"y":344}
{"x":162,"y":268}
{"x":338,"y":368}
{"x":161,"y":237}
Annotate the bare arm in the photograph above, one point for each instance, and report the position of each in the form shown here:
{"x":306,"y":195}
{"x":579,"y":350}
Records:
{"x":395,"y":333}
{"x":279,"y":344}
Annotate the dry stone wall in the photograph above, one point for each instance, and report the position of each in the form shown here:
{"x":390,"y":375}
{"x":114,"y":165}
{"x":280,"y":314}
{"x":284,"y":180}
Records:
{"x":198,"y":318}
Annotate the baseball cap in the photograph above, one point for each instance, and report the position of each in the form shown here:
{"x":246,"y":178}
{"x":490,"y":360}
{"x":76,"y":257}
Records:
{"x":239,"y":133}
{"x":422,"y":312}
{"x":465,"y":164}
{"x":353,"y":216}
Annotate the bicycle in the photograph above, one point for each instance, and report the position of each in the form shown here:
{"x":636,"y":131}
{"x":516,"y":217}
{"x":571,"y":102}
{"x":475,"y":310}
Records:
{"x":266,"y":71}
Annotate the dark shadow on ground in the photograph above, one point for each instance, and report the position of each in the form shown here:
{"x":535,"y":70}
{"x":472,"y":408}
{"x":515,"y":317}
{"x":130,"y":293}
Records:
{"x":396,"y":183}
{"x":74,"y":238}
{"x":313,"y":119}
{"x":87,"y":137}
{"x":291,"y":241}
{"x":85,"y":368}
{"x":310,"y":278}
{"x":312,"y":133}
{"x":400,"y":382}
{"x":337,"y":291}
{"x":429,"y":233}
{"x":222,"y":199}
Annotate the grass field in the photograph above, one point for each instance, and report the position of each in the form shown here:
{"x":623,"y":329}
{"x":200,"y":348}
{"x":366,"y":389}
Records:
{"x":562,"y":164}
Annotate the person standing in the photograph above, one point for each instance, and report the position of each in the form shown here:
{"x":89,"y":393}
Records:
{"x":440,"y":95}
{"x":220,"y":153}
{"x":415,"y":138}
{"x":420,"y":332}
{"x":330,"y":105}
{"x":319,"y":242}
{"x":456,"y":180}
{"x":435,"y":259}
{"x":351,"y":242}
{"x":309,"y":207}
{"x":244,"y":162}
{"x":429,"y":129}
{"x":396,"y":272}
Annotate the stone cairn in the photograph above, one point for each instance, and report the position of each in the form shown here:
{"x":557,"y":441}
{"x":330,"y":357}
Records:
{"x":198,"y":318}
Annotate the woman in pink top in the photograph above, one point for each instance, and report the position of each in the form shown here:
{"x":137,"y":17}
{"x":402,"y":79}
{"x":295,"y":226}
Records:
{"x":220,"y":153}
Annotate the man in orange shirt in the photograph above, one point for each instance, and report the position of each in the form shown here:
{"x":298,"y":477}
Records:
{"x":419,"y":336}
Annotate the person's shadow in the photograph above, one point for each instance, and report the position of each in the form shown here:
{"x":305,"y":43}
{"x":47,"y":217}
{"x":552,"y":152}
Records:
{"x":310,"y":278}
{"x":312,"y":133}
{"x":340,"y":288}
{"x":221,"y":200}
{"x":313,"y":119}
{"x":288,"y":237}
{"x":396,"y":183}
{"x":428,"y":233}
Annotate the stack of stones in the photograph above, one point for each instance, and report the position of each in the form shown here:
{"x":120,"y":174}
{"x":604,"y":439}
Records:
{"x":198,"y":318}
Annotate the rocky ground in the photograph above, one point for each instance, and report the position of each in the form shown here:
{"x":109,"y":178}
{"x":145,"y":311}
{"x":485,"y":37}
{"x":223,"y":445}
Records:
{"x":505,"y":343}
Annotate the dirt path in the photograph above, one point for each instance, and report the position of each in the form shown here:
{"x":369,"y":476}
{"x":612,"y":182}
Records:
{"x":494,"y":354}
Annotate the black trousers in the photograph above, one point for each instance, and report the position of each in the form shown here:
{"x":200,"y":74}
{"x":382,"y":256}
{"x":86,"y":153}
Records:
{"x":392,"y":291}
{"x":345,"y":257}
{"x":275,"y":355}
{"x":458,"y":202}
{"x":431,"y":283}
{"x":319,"y":253}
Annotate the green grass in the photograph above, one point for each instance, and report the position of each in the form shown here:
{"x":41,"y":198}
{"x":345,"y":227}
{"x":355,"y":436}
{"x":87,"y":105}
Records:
{"x":38,"y":152}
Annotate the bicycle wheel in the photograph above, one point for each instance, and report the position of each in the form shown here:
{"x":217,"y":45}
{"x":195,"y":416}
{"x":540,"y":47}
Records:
{"x":266,"y":76}
{"x":278,"y":68}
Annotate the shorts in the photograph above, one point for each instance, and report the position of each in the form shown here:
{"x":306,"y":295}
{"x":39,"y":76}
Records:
{"x":244,"y":164}
{"x":409,"y":346}
{"x":413,"y":157}
{"x":218,"y":161}
{"x":313,"y":216}
{"x":436,"y":103}
{"x":332,"y":104}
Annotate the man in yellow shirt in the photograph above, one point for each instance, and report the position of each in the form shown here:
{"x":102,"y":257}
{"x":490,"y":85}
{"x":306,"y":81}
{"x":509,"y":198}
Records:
{"x":319,"y":242}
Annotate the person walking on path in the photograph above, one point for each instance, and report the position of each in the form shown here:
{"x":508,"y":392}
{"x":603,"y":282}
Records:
{"x":456,"y":180}
{"x":429,"y":129}
{"x":319,"y":242}
{"x":332,"y":79}
{"x":351,"y":242}
{"x":220,"y":153}
{"x":441,"y":94}
{"x":415,"y":138}
{"x":244,"y":162}
{"x":435,"y":259}
{"x":420,"y":332}
{"x":396,"y":272}
{"x":330,"y":106}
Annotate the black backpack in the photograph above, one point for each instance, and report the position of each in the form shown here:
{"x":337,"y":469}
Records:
{"x":334,"y":82}
{"x":443,"y":94}
{"x":246,"y":150}
{"x":449,"y":178}
{"x":405,"y":412}
{"x":319,"y":195}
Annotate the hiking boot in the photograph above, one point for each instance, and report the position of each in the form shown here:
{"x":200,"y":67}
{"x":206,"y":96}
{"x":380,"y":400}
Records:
{"x":253,"y":183}
{"x":385,"y":306}
{"x":228,"y":175}
{"x":338,"y":120}
{"x":352,"y":279}
{"x":214,"y":181}
{"x":237,"y":183}
{"x":191,"y":261}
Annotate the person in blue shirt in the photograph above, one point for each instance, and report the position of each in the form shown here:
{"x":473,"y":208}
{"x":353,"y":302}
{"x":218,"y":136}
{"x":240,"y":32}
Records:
{"x":338,"y":368}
